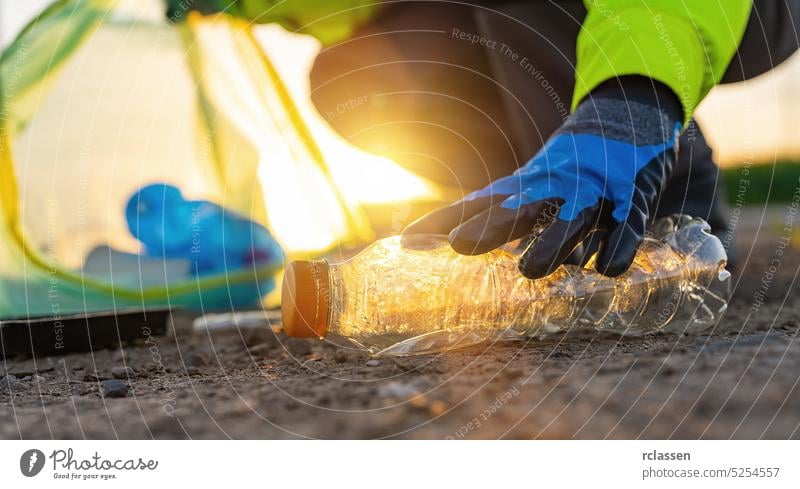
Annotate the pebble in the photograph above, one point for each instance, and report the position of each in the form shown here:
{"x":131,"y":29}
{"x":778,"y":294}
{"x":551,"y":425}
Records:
{"x":340,"y":356}
{"x":373,"y":363}
{"x":10,"y":383}
{"x":192,"y":370}
{"x":123,"y":373}
{"x":114,"y":388}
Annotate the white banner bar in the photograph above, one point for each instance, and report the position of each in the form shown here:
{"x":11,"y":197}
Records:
{"x":399,"y":464}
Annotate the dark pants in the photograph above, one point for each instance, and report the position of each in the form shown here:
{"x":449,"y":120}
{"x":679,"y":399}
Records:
{"x":431,"y":85}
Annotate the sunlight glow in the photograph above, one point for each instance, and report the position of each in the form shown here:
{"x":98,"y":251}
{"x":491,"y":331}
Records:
{"x":252,"y":126}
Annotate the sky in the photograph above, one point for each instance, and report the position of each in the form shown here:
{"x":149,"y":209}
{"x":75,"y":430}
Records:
{"x":754,"y":121}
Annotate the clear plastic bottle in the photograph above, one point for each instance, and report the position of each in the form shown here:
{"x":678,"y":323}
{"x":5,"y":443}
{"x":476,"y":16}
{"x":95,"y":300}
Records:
{"x":419,"y":296}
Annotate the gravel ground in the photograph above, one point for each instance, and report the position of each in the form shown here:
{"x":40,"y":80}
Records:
{"x":738,"y":381}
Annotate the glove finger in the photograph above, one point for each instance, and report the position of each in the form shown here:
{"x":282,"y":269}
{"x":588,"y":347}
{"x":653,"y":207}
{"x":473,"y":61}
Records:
{"x":619,"y":248}
{"x":498,"y":225}
{"x":556,"y":242}
{"x":582,"y":253}
{"x":444,"y":220}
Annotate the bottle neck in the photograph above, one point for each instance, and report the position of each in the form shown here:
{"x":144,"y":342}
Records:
{"x":305,"y":300}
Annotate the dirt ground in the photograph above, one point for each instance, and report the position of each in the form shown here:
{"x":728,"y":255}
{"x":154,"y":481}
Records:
{"x":738,"y":381}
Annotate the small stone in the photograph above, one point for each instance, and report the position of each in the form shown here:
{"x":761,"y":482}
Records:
{"x":192,"y":371}
{"x":10,"y":383}
{"x":196,"y":359}
{"x":340,"y":356}
{"x":373,"y":363}
{"x":298,"y":347}
{"x":123,"y":373}
{"x":114,"y":388}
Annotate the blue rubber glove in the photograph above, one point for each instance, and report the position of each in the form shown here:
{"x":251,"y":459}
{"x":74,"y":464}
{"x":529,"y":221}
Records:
{"x":600,"y":174}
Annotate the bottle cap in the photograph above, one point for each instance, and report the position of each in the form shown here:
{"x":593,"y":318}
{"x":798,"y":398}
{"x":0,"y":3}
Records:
{"x":305,"y":299}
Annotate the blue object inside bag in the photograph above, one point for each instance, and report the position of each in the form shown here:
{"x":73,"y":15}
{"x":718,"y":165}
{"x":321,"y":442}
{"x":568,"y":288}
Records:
{"x":213,"y":239}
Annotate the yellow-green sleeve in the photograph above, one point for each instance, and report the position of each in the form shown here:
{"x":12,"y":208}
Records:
{"x":330,"y":21}
{"x":687,"y":45}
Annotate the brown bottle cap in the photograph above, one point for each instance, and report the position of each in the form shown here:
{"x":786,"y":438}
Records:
{"x":305,"y":299}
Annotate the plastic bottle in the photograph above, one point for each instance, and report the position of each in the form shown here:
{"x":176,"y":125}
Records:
{"x":418,"y":296}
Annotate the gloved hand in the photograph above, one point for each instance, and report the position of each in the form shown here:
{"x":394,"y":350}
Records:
{"x":600,"y":174}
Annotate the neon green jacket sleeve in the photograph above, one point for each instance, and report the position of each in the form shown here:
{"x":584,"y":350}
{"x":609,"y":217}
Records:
{"x":329,"y":21}
{"x":687,"y":45}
